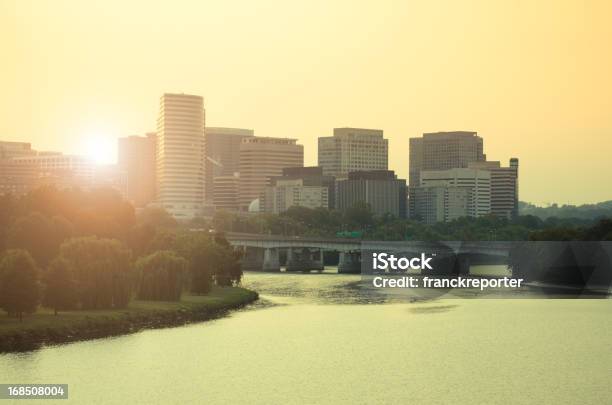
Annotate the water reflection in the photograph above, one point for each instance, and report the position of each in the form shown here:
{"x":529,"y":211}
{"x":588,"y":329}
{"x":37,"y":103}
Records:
{"x":330,"y":288}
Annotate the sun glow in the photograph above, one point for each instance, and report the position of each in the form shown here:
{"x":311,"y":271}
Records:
{"x":100,"y":149}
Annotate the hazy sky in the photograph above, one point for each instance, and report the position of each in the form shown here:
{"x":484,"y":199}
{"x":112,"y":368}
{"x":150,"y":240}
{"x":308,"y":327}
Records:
{"x":534,"y":78}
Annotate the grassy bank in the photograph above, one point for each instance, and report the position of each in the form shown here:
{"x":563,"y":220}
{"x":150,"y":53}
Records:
{"x":43,"y":327}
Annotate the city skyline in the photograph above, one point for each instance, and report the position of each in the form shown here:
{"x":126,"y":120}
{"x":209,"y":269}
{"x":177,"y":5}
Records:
{"x":532,"y":79}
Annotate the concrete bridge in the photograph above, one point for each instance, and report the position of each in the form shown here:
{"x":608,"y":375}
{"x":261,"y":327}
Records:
{"x":262,"y":252}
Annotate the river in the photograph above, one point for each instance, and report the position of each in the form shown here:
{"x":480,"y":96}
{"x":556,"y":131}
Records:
{"x":319,"y":338}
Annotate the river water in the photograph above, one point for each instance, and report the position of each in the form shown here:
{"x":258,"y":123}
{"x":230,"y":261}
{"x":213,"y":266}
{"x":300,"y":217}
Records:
{"x":319,"y":338}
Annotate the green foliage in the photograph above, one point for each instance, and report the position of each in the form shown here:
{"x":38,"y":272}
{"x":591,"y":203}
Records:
{"x":84,"y":238}
{"x":161,"y":276}
{"x":156,"y":217}
{"x":19,"y":283}
{"x":229,"y":272}
{"x":300,"y":221}
{"x":41,"y":220}
{"x":8,"y":209}
{"x":39,"y":235}
{"x":101,"y":268}
{"x":163,"y":240}
{"x":60,"y":286}
{"x":577,"y":212}
{"x":359,"y":216}
{"x":198,"y":250}
{"x":146,"y":238}
{"x":211,"y":259}
{"x":140,"y":239}
{"x":601,"y":230}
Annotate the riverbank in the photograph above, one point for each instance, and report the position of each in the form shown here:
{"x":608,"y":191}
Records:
{"x":45,"y":328}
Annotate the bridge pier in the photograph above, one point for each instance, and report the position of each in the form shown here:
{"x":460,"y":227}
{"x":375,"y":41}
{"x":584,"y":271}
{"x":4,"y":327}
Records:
{"x":305,"y":254}
{"x":462,"y":265}
{"x":270,"y":260}
{"x":252,"y":260}
{"x":318,"y":262}
{"x":350,"y":262}
{"x":301,"y":259}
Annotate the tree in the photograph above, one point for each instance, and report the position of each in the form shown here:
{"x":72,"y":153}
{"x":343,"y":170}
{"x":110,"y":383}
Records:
{"x":102,"y":271}
{"x":39,"y":235}
{"x":161,"y":276}
{"x":602,"y":230}
{"x":359,"y":216}
{"x":19,"y":285}
{"x":34,"y":234}
{"x":60,"y":286}
{"x":211,"y":260}
{"x":140,"y":238}
{"x":8,"y":208}
{"x":223,"y":220}
{"x":157,"y":217}
{"x":198,"y":250}
{"x":162,"y":240}
{"x":227,"y":271}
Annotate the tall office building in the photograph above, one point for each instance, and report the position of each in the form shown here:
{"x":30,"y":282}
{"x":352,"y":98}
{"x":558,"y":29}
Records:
{"x":262,"y":158}
{"x":222,"y":147}
{"x":442,"y":151}
{"x":353,"y":149}
{"x":180,"y":155}
{"x":136,"y":157}
{"x":476,"y":181}
{"x":504,"y":187}
{"x":380,"y":189}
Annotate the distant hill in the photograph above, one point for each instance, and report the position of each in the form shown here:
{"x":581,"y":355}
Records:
{"x":586,"y":211}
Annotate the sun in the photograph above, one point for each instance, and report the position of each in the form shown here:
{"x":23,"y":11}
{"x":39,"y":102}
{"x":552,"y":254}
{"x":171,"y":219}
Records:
{"x":100,"y":149}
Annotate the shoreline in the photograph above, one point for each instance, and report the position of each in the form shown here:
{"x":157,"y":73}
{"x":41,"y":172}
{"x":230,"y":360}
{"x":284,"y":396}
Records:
{"x":44,"y":329}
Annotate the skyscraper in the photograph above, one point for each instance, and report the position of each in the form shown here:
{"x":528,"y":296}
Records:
{"x":136,"y":157}
{"x":442,"y":151}
{"x":222,"y":147}
{"x":262,"y":158}
{"x":353,"y":149}
{"x":180,"y":155}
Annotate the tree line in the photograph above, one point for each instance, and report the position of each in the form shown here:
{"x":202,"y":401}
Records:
{"x":567,"y":256}
{"x":89,"y":250}
{"x":567,"y":211}
{"x":301,"y":221}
